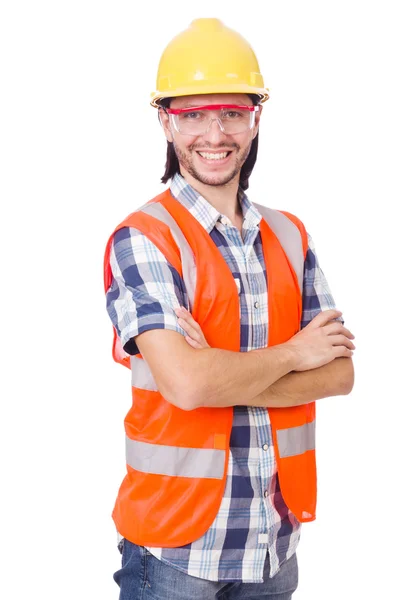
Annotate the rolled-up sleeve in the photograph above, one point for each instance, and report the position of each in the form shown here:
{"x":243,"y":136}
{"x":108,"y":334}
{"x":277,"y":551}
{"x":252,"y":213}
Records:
{"x":145,"y":288}
{"x":316,"y":294}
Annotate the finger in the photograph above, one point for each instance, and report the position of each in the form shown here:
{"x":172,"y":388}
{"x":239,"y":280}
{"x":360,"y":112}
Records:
{"x":342,"y":351}
{"x":337,"y":327}
{"x":341,"y":340}
{"x":193,"y":343}
{"x":189,"y":329}
{"x":324,"y":317}
{"x":189,"y":318}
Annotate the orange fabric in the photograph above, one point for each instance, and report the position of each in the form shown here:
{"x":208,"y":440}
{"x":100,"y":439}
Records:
{"x":171,"y":511}
{"x":220,"y":441}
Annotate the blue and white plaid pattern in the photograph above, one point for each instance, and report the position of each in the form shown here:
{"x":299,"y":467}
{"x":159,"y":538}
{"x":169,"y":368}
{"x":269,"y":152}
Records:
{"x":253,"y":518}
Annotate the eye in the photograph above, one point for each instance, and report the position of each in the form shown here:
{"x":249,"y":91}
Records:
{"x":233,"y":114}
{"x":191,"y":116}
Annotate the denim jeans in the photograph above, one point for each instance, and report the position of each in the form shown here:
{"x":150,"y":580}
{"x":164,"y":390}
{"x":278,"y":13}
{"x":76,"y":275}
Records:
{"x":144,"y":577}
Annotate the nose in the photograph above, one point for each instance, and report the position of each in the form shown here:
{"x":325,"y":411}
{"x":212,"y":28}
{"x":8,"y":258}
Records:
{"x":214,"y":132}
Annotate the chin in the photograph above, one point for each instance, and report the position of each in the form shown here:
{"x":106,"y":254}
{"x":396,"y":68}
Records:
{"x":219,"y":180}
{"x":213,"y":178}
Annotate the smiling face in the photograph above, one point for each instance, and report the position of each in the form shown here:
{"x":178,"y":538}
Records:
{"x":203,"y":156}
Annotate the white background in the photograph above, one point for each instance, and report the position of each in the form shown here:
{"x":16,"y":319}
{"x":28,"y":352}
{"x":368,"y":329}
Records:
{"x":80,"y":149}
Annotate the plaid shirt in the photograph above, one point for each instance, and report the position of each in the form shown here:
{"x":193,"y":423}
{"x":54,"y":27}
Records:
{"x":253,"y":519}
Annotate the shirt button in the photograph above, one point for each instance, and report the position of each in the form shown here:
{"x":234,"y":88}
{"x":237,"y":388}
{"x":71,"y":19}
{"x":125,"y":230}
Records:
{"x":256,"y":304}
{"x":266,"y":493}
{"x":265,"y":447}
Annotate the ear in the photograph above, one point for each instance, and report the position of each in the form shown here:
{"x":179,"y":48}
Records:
{"x":165,"y":123}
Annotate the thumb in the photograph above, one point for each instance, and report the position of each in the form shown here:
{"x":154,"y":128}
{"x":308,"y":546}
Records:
{"x":324,"y":317}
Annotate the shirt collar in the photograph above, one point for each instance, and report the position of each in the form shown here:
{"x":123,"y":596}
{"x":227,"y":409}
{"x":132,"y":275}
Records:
{"x":204,"y":212}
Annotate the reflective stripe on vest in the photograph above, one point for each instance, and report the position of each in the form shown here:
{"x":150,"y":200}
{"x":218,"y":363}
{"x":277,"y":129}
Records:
{"x":141,"y":375}
{"x":174,"y":460}
{"x":196,"y":462}
{"x":158,"y":211}
{"x":289,"y":237}
{"x":296,"y":440}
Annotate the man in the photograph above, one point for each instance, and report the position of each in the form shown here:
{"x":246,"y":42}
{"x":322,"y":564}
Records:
{"x":220,"y":436}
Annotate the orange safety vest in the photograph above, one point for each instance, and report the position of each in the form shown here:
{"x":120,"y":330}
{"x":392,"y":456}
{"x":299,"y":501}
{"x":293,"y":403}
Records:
{"x":177,"y":460}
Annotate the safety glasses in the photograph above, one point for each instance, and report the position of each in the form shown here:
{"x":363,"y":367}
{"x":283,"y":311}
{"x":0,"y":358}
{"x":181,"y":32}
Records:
{"x":231,"y":118}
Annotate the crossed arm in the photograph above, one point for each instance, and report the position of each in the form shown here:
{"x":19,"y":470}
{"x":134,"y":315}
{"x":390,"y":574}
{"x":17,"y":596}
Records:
{"x":190,"y":378}
{"x":334,"y":379}
{"x":193,"y":375}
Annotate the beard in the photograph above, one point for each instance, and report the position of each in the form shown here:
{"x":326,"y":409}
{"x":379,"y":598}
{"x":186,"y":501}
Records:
{"x":186,"y":161}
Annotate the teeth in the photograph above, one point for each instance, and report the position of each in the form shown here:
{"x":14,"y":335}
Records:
{"x":209,"y":156}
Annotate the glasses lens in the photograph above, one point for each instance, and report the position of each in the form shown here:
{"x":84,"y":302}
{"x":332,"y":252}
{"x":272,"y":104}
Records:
{"x":197,"y":122}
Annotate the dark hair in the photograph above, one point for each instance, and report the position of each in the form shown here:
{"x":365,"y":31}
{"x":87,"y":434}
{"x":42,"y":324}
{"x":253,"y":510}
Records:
{"x":172,"y":163}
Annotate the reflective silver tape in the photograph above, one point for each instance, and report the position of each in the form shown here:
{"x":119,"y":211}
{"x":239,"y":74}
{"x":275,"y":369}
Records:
{"x":141,"y":375}
{"x":296,"y":440}
{"x":175,"y":461}
{"x":189,"y":269}
{"x":289,"y":237}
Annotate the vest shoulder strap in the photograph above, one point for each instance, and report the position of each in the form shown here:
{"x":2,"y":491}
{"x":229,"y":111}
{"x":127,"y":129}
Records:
{"x":291,"y":234}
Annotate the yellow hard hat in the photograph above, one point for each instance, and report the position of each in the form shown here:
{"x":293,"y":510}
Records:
{"x":208,"y":58}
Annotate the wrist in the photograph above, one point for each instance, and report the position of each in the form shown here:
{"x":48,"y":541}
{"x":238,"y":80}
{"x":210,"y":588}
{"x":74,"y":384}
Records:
{"x":282,"y":358}
{"x":290,"y":355}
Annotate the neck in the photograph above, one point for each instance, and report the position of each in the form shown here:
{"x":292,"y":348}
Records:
{"x":222,"y":197}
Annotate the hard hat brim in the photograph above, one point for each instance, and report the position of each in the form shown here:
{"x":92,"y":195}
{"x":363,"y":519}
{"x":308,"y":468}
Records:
{"x":238,"y":88}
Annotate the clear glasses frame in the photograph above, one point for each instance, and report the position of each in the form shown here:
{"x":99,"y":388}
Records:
{"x":228,"y":128}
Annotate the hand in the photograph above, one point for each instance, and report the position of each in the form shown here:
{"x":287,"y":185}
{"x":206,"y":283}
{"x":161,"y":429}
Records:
{"x":195,"y":336}
{"x":321,"y":341}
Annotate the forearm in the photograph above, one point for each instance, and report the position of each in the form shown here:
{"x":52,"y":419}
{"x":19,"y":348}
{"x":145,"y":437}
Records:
{"x":334,"y":379}
{"x":221,"y":378}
